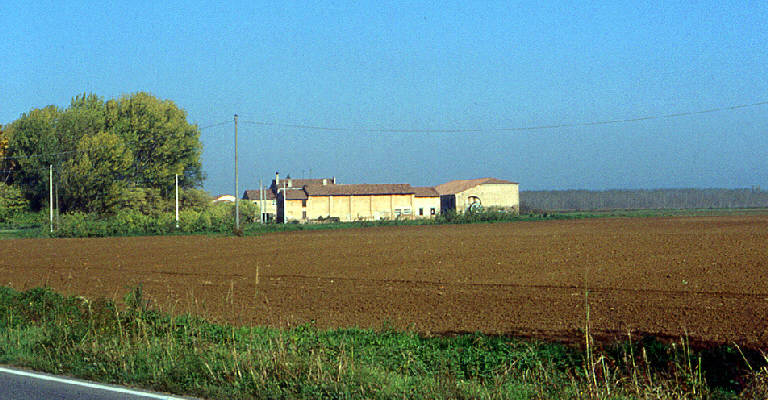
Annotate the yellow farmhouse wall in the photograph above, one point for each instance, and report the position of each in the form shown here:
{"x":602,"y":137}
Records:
{"x":505,"y":196}
{"x":426,"y":204}
{"x":270,"y":206}
{"x":353,"y":208}
{"x":293,"y":210}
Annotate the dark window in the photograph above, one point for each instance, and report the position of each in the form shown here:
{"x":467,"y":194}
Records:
{"x":303,"y":215}
{"x":303,"y":203}
{"x":431,"y":211}
{"x":421,"y":211}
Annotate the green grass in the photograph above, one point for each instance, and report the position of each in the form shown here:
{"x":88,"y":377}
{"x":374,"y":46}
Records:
{"x":136,"y":345}
{"x":132,"y":224}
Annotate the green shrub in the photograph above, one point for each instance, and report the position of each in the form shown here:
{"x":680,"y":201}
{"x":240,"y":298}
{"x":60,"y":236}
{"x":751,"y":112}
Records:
{"x":12,"y":201}
{"x":195,"y":199}
{"x":148,"y":201}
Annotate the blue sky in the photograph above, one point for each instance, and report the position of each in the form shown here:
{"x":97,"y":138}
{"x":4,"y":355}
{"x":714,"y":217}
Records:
{"x":422,"y":65}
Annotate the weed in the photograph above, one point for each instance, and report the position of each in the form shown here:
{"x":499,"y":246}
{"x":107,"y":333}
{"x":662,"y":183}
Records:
{"x":137,"y":345}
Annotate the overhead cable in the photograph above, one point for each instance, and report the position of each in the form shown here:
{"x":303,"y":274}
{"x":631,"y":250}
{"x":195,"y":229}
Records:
{"x":503,"y":129}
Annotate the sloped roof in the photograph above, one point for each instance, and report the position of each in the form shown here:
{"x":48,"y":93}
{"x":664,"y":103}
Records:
{"x":254,"y":195}
{"x":454,"y":187}
{"x":295,"y":194}
{"x":425,"y":191}
{"x":358,"y":189}
{"x":297,"y":183}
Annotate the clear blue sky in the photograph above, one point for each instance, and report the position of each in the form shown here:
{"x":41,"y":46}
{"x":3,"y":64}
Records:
{"x":447,"y":65}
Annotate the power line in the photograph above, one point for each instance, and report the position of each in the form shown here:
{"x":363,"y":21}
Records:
{"x":510,"y":129}
{"x":215,"y":125}
{"x":475,"y":130}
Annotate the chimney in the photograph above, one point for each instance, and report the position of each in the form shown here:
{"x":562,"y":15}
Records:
{"x":277,"y":179}
{"x":333,"y":180}
{"x":290,"y":182}
{"x":325,"y":181}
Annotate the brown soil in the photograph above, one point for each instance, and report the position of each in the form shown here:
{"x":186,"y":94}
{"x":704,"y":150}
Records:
{"x":704,"y":277}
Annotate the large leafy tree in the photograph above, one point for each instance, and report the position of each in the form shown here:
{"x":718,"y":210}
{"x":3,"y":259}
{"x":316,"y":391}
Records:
{"x":141,"y":140}
{"x":162,"y":141}
{"x":5,"y":164}
{"x":3,"y":142}
{"x":94,"y":179}
{"x":34,"y":145}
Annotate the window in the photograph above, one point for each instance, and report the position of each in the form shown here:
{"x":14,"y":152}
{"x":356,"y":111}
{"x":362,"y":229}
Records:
{"x":303,"y":203}
{"x":398,"y":211}
{"x":303,"y":215}
{"x":406,"y":211}
{"x":431,"y":211}
{"x":273,"y":202}
{"x":421,"y":211}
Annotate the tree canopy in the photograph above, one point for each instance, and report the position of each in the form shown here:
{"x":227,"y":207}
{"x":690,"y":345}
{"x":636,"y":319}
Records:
{"x":99,"y":149}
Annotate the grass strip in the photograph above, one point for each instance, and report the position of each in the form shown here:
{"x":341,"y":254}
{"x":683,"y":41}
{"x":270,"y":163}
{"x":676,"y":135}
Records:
{"x":138,"y":346}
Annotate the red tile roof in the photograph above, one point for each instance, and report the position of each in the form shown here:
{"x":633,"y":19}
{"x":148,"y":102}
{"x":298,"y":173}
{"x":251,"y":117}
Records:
{"x":454,"y":187}
{"x":254,"y":195}
{"x":358,"y":189}
{"x":425,"y":191}
{"x":297,"y":183}
{"x":294,"y":194}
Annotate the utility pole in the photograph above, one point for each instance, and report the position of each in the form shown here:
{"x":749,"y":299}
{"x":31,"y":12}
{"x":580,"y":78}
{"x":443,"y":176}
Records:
{"x":237,"y":205}
{"x":50,"y":190}
{"x":261,"y":201}
{"x":177,"y":201}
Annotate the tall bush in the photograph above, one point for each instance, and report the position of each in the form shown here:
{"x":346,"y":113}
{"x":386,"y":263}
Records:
{"x":12,"y":201}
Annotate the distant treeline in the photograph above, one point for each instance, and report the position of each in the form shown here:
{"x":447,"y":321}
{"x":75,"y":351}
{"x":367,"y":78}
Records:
{"x":642,"y":199}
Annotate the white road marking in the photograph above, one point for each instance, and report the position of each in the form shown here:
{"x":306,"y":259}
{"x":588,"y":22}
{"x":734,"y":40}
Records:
{"x":74,"y":382}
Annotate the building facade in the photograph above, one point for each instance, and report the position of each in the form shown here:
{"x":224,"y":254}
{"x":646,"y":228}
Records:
{"x":307,"y":200}
{"x":270,"y":194}
{"x":350,"y":202}
{"x":426,"y":202}
{"x":486,"y":193}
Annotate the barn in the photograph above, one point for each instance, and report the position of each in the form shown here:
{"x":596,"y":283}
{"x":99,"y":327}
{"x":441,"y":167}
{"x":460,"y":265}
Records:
{"x":486,"y":193}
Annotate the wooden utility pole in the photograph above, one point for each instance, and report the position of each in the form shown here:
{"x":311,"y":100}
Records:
{"x":261,"y":201}
{"x":237,"y":205}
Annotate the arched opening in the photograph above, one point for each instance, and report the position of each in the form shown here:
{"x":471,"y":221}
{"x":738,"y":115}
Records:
{"x":474,"y":204}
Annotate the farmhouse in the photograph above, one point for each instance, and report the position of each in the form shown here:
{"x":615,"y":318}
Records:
{"x":355,"y":202}
{"x":426,"y":202}
{"x":270,"y":194}
{"x":463,"y":195}
{"x":304,"y":200}
{"x":224,"y":197}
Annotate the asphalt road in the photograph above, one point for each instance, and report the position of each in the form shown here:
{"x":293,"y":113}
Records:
{"x":17,"y":384}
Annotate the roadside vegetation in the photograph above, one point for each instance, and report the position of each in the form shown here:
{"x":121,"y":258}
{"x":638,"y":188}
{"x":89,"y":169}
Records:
{"x":135,"y":345}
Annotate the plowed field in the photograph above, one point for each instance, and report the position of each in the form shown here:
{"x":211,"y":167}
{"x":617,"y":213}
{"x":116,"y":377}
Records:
{"x":706,"y":277}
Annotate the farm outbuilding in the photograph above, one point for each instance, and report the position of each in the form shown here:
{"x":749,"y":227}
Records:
{"x":426,"y":202}
{"x":350,"y":202}
{"x":270,"y":193}
{"x":488,"y":193}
